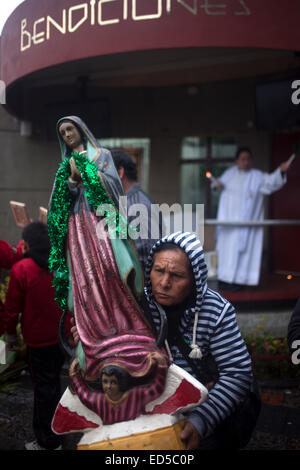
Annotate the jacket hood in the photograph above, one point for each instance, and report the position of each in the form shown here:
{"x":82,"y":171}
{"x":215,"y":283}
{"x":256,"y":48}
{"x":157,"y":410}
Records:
{"x":189,"y":243}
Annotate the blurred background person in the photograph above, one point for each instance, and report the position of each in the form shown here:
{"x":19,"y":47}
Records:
{"x":242,"y":196}
{"x":151,"y":228}
{"x":8,"y":256}
{"x":31,"y":294}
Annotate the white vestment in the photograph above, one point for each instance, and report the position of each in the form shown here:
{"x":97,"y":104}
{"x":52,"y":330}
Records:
{"x":240,"y":248}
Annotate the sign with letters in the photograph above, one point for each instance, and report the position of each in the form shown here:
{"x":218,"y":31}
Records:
{"x":101,"y":14}
{"x":41,"y":34}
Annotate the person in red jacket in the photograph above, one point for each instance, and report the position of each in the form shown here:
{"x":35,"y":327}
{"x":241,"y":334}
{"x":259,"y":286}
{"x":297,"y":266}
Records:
{"x":8,"y":256}
{"x":31,"y":296}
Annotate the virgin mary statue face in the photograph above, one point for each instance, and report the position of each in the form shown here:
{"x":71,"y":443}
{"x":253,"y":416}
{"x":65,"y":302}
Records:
{"x":70,"y":134}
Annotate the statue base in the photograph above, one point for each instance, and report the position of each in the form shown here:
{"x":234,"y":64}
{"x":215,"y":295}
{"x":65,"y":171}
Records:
{"x":159,"y":428}
{"x":160,"y":439}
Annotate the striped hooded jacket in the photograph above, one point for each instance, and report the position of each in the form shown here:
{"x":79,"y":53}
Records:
{"x":210,"y":324}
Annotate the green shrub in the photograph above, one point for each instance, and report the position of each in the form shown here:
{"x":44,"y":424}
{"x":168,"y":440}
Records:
{"x":271,"y":357}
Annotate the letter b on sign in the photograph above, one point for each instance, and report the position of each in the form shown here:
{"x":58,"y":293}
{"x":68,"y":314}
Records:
{"x":2,"y":352}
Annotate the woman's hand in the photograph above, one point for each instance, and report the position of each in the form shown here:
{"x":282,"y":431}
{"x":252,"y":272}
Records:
{"x":75,"y":173}
{"x":209,"y":385}
{"x":74,"y":368}
{"x":74,"y":331}
{"x":157,"y":357}
{"x":190,"y":436}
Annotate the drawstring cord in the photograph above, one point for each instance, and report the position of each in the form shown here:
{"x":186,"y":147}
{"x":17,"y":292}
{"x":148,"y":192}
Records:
{"x":196,"y":352}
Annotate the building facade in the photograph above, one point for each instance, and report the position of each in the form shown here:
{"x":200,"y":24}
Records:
{"x":181,"y":83}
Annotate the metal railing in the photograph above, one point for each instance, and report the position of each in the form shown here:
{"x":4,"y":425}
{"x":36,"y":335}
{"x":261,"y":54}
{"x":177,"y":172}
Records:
{"x":253,"y":223}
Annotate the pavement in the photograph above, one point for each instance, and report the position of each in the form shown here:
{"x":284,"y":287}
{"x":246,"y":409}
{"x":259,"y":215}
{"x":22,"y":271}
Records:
{"x":278,"y":426}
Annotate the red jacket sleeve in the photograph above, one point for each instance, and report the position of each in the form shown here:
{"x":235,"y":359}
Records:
{"x":9,"y":255}
{"x":15,"y":299}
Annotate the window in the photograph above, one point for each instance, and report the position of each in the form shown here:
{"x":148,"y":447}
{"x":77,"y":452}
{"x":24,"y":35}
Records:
{"x":139,"y":149}
{"x":198,"y":156}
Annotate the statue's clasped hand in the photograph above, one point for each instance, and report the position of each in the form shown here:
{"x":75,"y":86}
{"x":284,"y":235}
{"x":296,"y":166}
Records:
{"x":75,"y":173}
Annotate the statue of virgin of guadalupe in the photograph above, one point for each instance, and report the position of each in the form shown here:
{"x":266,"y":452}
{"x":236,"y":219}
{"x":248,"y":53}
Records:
{"x":98,"y":278}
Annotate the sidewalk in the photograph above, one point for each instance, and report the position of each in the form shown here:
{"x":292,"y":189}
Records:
{"x":278,"y":427}
{"x":16,"y":405}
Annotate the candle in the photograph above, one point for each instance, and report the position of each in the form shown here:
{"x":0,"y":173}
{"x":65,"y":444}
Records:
{"x":211,"y":177}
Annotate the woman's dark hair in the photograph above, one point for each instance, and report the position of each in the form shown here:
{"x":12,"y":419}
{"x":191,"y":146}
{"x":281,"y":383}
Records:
{"x":242,"y":149}
{"x":36,"y":235}
{"x":167,"y":247}
{"x":122,"y":375}
{"x":82,"y":135}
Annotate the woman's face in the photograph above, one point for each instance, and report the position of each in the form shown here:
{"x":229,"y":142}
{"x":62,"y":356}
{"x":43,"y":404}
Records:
{"x":171,"y":277}
{"x":110,"y":386}
{"x":70,"y":135}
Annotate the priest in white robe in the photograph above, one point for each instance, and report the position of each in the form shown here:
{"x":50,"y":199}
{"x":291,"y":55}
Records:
{"x":242,"y":199}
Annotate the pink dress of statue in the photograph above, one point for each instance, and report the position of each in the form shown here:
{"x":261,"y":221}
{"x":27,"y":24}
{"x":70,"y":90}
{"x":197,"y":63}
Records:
{"x":111,"y":325}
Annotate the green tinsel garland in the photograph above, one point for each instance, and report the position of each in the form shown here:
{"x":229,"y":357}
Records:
{"x":59,"y":213}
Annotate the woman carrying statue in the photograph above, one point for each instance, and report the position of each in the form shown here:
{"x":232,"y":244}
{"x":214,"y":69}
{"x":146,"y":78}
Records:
{"x":97,"y":273}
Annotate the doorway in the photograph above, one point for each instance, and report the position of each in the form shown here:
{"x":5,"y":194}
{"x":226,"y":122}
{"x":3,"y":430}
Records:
{"x":285,"y":204}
